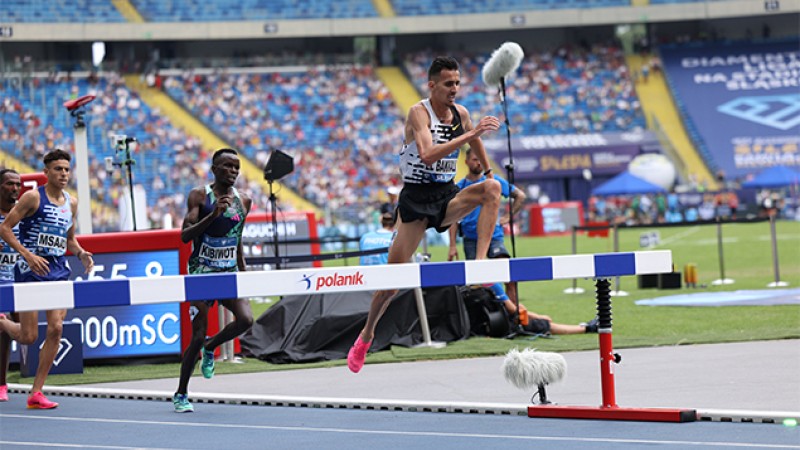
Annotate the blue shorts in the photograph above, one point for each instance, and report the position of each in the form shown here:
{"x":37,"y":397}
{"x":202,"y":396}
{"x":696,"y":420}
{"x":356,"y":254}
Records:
{"x":59,"y":270}
{"x":497,"y":249}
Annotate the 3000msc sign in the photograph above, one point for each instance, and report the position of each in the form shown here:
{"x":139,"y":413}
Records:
{"x":124,"y":331}
{"x":147,"y":331}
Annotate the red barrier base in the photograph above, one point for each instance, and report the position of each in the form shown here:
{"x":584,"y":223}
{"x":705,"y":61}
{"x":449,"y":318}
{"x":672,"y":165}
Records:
{"x":615,"y":413}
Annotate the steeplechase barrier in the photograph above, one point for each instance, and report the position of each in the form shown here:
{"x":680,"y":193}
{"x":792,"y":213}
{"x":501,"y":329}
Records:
{"x":181,"y":288}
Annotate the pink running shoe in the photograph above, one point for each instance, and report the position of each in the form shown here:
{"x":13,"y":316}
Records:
{"x":3,"y":393}
{"x":39,"y":401}
{"x":357,"y":354}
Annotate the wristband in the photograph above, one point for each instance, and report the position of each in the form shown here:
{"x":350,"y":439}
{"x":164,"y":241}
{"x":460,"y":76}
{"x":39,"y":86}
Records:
{"x":487,"y":172}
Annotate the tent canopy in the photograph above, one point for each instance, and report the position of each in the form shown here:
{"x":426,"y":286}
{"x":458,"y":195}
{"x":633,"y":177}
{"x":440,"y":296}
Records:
{"x":627,"y":184}
{"x":774,"y":177}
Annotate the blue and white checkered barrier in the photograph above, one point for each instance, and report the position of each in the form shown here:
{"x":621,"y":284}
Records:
{"x":180,"y":288}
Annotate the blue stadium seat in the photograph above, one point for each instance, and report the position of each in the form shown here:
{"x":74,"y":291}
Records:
{"x":422,"y":8}
{"x":49,"y":11}
{"x":237,"y":10}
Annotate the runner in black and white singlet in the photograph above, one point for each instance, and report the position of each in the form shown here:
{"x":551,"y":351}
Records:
{"x":436,"y":128}
{"x":213,"y":224}
{"x":10,"y":185}
{"x":46,"y":233}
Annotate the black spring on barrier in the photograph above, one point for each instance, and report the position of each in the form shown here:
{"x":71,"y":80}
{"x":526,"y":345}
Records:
{"x":603,"y":303}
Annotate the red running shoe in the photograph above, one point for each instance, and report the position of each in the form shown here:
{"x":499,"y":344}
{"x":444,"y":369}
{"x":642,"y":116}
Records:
{"x":3,"y":393}
{"x":357,"y":354}
{"x":39,"y":401}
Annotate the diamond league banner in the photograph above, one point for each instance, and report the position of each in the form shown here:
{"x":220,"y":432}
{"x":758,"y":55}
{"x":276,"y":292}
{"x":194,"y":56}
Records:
{"x":744,"y":100}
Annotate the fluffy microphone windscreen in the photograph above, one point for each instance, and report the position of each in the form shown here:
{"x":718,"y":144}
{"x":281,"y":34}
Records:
{"x":504,"y":61}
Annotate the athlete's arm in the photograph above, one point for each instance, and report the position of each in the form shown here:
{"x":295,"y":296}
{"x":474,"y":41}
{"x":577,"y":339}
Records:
{"x":419,"y":123}
{"x":452,"y":253}
{"x":73,"y":245}
{"x":516,"y":200}
{"x":193,"y":226}
{"x":246,"y":202}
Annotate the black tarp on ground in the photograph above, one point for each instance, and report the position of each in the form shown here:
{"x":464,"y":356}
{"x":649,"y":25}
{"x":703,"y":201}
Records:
{"x":323,"y":327}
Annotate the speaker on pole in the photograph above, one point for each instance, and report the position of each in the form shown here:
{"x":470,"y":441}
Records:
{"x":278,"y":166}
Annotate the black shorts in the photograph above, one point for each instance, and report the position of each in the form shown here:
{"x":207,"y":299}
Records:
{"x":426,"y":201}
{"x":538,"y":326}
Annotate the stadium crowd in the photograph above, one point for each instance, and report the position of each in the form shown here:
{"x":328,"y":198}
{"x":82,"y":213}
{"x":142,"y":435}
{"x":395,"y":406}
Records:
{"x":339,"y":122}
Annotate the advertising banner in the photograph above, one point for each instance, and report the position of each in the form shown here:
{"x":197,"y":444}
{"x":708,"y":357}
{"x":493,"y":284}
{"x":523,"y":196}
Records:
{"x":743,"y":100}
{"x":259,"y":236}
{"x":559,"y":156}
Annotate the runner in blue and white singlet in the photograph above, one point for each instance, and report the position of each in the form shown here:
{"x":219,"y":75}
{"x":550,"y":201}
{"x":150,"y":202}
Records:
{"x":10,"y":185}
{"x":8,"y":257}
{"x":44,"y":233}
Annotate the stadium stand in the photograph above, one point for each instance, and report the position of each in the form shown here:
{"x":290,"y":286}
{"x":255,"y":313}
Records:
{"x":46,"y":11}
{"x":664,"y":2}
{"x":424,"y":8}
{"x":237,"y":10}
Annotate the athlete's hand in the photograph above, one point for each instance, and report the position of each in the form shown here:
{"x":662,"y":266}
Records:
{"x":38,"y":265}
{"x":87,"y":261}
{"x":452,"y":255}
{"x":487,"y":124}
{"x":222,"y":204}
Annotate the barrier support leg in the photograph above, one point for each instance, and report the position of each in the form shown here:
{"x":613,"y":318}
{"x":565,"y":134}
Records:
{"x":609,"y":409}
{"x":775,"y":266}
{"x":423,"y":323}
{"x":722,"y":280}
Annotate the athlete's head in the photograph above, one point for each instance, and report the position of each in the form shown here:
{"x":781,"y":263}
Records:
{"x":225,"y":166}
{"x":10,"y":185}
{"x":441,"y":63}
{"x":387,"y":220}
{"x":444,"y":80}
{"x":472,"y":161}
{"x":56,"y":167}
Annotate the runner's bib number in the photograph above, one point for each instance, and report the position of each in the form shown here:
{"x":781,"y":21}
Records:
{"x":218,"y":252}
{"x":52,"y":241}
{"x":8,"y":259}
